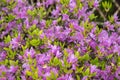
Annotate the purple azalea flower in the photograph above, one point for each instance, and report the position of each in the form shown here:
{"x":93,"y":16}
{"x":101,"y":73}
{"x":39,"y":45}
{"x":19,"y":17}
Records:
{"x":70,"y":77}
{"x":38,"y":4}
{"x":96,"y":3}
{"x":42,"y":24}
{"x":66,"y":77}
{"x":54,"y":49}
{"x":58,"y":54}
{"x":104,"y":39}
{"x":65,"y":17}
{"x":117,"y":73}
{"x":26,"y":67}
{"x":93,"y":68}
{"x":49,"y":2}
{"x":30,"y":52}
{"x":35,"y":22}
{"x":109,"y":26}
{"x":40,"y":71}
{"x":13,"y":69}
{"x":72,"y":58}
{"x":49,"y":34}
{"x":42,"y":58}
{"x":20,"y":27}
{"x":27,"y":23}
{"x":3,"y":78}
{"x":115,"y":17}
{"x":72,"y":4}
{"x":85,"y":78}
{"x":78,"y":36}
{"x":5,"y":9}
{"x":54,"y":23}
{"x":3,"y":34}
{"x":16,"y":42}
{"x":11,"y":77}
{"x":54,"y":70}
{"x":118,"y":40}
{"x":57,"y":1}
{"x":55,"y":12}
{"x":23,"y":77}
{"x":61,"y":78}
{"x":62,"y":36}
{"x":45,"y":75}
{"x":116,"y":49}
{"x":93,"y":44}
{"x":3,"y":55}
{"x":2,"y":69}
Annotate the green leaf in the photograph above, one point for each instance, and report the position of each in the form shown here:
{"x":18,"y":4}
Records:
{"x":109,"y":56}
{"x":15,"y":63}
{"x":95,"y":62}
{"x":78,"y":77}
{"x":6,"y":61}
{"x":85,"y":57}
{"x":7,"y":39}
{"x":64,"y":2}
{"x":86,"y":73}
{"x":9,"y":18}
{"x":48,"y":22}
{"x":107,"y":5}
{"x":32,"y":12}
{"x":35,"y":42}
{"x":11,"y":54}
{"x":33,"y":27}
{"x":79,"y":70}
{"x":92,"y":16}
{"x":111,"y":18}
{"x":102,"y":64}
{"x":28,"y":73}
{"x":18,"y":78}
{"x":55,"y":61}
{"x":77,"y":54}
{"x":93,"y":74}
{"x":35,"y":75}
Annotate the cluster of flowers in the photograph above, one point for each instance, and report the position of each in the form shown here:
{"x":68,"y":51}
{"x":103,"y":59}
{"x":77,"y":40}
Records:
{"x":57,"y":40}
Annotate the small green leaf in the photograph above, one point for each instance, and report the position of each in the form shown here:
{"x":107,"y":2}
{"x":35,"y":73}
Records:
{"x":85,"y":57}
{"x":95,"y":62}
{"x":56,"y":61}
{"x":35,"y":42}
{"x":79,"y":70}
{"x":107,"y":5}
{"x":28,"y":73}
{"x":9,"y":18}
{"x":7,"y":39}
{"x":78,"y":77}
{"x":109,"y":56}
{"x":92,"y":16}
{"x":86,"y":72}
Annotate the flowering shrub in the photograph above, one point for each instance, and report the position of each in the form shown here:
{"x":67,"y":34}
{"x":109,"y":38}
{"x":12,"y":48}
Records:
{"x":57,"y":40}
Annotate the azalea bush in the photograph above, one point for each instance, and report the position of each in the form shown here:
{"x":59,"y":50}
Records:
{"x":58,"y":40}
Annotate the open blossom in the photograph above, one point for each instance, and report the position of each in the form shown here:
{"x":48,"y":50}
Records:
{"x":65,"y":17}
{"x":66,"y":77}
{"x":16,"y":42}
{"x":72,"y":58}
{"x":96,"y":3}
{"x":93,"y":68}
{"x":13,"y":69}
{"x":2,"y":69}
{"x":43,"y":58}
{"x":29,"y":52}
{"x":72,"y":4}
{"x":3,"y":55}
